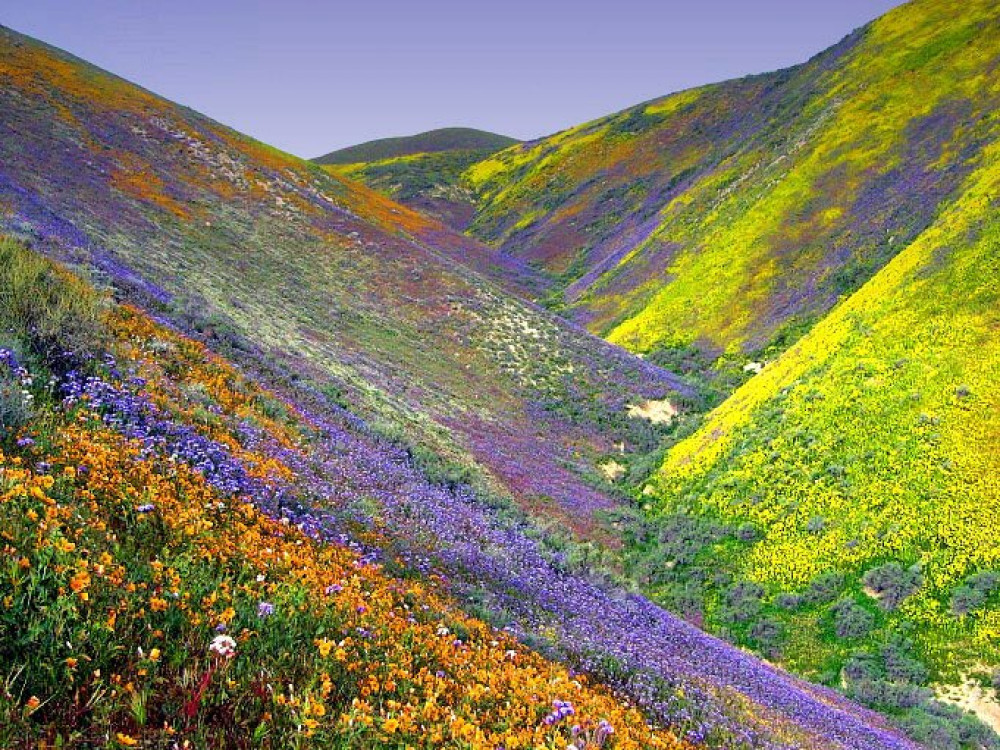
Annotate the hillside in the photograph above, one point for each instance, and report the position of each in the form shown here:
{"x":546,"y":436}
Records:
{"x":319,"y":279}
{"x":221,"y":563}
{"x":431,"y":142}
{"x":153,"y":503}
{"x":388,"y":471}
{"x":729,"y":219}
{"x":254,"y":393}
{"x":845,"y":499}
{"x":423,"y":172}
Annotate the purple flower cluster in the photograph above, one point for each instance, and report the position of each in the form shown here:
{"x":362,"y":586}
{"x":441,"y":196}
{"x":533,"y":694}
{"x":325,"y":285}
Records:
{"x":560,"y":710}
{"x":349,"y":478}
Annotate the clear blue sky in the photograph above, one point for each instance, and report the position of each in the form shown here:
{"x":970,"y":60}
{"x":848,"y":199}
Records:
{"x":310,"y":76}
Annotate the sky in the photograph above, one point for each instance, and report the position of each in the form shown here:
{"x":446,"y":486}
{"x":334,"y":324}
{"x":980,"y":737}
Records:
{"x":311,"y":76}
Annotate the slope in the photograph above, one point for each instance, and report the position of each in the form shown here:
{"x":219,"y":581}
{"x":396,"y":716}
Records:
{"x":433,"y":141}
{"x":226,"y":565}
{"x":422,"y":171}
{"x":319,"y":278}
{"x":731,"y":217}
{"x":848,"y":494}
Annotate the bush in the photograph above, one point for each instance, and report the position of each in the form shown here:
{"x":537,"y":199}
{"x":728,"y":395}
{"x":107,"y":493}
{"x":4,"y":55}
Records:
{"x":55,"y":314}
{"x":974,"y":592}
{"x":893,"y":583}
{"x":851,"y":620}
{"x":743,"y":601}
{"x":747,"y":532}
{"x":767,"y":634}
{"x":900,"y":665}
{"x":824,"y":588}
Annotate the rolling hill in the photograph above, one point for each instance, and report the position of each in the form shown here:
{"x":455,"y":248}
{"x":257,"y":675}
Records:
{"x":424,"y":171}
{"x":394,"y":404}
{"x":730,"y":218}
{"x":431,"y":142}
{"x":320,"y":278}
{"x":847,"y":495}
{"x":830,"y":227}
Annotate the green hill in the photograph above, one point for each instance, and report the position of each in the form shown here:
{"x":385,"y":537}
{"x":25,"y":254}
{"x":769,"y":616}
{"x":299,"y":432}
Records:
{"x":855,"y":480}
{"x":422,"y":171}
{"x":731,"y":217}
{"x":431,"y":142}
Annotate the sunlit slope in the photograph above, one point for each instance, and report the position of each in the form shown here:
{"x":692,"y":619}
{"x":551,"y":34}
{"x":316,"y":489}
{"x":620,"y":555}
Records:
{"x":735,"y":215}
{"x":316,"y":275}
{"x":422,"y":171}
{"x":433,"y":141}
{"x":870,"y":449}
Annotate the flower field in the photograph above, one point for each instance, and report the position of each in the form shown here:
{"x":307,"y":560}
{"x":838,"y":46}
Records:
{"x":285,"y":463}
{"x":158,"y":504}
{"x":857,"y":479}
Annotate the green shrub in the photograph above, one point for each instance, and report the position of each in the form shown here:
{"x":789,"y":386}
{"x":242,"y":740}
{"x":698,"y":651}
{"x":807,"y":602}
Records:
{"x":55,"y":314}
{"x":893,"y":583}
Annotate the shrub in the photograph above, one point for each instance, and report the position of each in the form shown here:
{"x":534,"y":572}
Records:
{"x":767,"y":634}
{"x":851,"y":620}
{"x":743,"y":601}
{"x":747,"y":532}
{"x":789,"y":601}
{"x":824,"y":588}
{"x":893,"y":583}
{"x":974,"y":592}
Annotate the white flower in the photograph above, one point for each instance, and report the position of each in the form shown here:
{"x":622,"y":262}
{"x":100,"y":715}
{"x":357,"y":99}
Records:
{"x":224,"y":646}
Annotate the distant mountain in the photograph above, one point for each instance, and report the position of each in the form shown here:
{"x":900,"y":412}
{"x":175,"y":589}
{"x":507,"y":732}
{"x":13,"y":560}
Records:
{"x":431,"y":142}
{"x":422,"y":171}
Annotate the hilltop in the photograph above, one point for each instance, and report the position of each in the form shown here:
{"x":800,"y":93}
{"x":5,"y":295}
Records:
{"x":423,"y":172}
{"x":430,"y":142}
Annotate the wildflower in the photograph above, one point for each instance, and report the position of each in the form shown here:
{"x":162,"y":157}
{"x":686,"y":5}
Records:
{"x":391,"y":725}
{"x":324,"y":645}
{"x":224,"y":646}
{"x":146,"y":508}
{"x":33,"y":704}
{"x":265,"y":609}
{"x":126,"y":740}
{"x":154,"y":654}
{"x":335,"y":588}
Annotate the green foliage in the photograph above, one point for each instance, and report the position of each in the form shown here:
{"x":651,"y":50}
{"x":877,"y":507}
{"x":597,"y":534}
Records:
{"x":54,"y":313}
{"x":444,"y":139}
{"x":15,"y":406}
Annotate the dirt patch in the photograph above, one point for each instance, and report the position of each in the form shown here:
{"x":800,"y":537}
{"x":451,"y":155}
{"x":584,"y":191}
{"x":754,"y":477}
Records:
{"x":612,"y":470}
{"x":657,"y":412}
{"x":972,"y":696}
